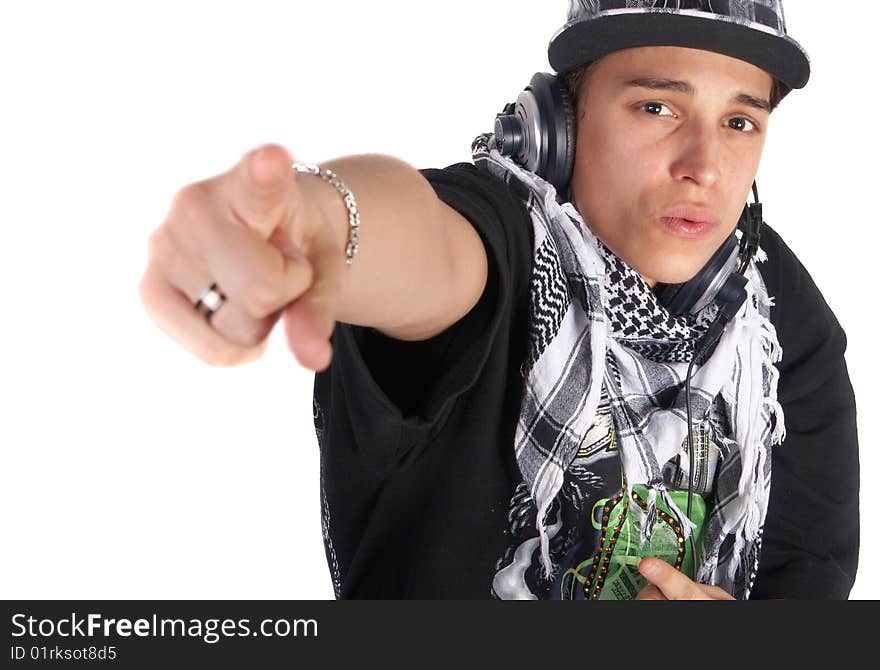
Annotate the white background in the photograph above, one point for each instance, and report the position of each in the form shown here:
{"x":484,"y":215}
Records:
{"x":132,"y":470}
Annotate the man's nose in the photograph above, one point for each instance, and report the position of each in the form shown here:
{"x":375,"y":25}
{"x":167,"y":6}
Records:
{"x":699,"y":154}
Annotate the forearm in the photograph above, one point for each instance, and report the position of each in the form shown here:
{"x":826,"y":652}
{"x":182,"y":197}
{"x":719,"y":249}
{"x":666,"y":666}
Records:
{"x":399,"y":277}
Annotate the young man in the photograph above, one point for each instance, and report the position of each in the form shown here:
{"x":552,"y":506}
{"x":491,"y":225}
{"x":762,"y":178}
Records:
{"x":506,"y":410}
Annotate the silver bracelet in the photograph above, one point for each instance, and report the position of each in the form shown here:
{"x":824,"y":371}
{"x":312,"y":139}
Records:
{"x":354,"y":218}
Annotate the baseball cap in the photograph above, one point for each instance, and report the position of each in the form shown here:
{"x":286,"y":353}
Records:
{"x":750,"y":30}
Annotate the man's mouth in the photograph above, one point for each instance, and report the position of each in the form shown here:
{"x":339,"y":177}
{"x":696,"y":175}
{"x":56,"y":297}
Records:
{"x":686,"y":228}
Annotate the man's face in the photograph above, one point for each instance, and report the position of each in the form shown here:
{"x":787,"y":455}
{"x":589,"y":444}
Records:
{"x":642,"y":150}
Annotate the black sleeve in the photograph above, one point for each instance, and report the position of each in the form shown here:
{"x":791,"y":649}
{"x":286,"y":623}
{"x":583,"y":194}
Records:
{"x":811,"y":535}
{"x":396,"y":393}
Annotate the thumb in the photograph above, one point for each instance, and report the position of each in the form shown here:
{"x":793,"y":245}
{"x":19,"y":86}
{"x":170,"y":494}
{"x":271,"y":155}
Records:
{"x":262,"y":188}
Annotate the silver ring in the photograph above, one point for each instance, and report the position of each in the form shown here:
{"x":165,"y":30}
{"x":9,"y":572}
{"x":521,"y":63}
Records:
{"x":210,"y":300}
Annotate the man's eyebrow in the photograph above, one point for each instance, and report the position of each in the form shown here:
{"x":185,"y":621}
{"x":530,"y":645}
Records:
{"x":685,"y":87}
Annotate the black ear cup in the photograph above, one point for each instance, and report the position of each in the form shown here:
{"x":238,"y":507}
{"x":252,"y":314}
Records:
{"x":538,"y":130}
{"x":699,"y":291}
{"x":570,"y":142}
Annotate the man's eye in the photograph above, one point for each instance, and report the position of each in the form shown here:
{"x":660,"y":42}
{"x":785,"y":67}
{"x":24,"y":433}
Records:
{"x":658,"y":106}
{"x":741,"y":121}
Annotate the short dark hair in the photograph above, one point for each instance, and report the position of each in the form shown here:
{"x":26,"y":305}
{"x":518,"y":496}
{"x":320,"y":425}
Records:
{"x":577,"y":79}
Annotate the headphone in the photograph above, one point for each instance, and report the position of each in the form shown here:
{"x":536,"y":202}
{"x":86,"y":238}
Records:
{"x":538,"y":133}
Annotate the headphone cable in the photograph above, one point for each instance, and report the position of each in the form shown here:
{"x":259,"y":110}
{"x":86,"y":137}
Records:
{"x":703,"y":344}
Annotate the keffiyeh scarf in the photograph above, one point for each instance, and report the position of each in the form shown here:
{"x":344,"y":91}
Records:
{"x":594,"y":321}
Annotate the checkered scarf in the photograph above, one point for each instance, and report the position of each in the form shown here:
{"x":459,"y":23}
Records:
{"x":594,"y":321}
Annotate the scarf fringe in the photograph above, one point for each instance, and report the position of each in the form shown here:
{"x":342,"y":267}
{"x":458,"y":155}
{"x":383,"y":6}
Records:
{"x":645,"y":519}
{"x":687,"y":526}
{"x":754,"y":485}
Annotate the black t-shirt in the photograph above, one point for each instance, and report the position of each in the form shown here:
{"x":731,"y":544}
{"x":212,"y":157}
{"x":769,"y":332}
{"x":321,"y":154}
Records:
{"x":421,"y":493}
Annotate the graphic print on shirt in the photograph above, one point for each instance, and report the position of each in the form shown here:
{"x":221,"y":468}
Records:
{"x":594,"y":473}
{"x":574,"y":522}
{"x":332,"y":563}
